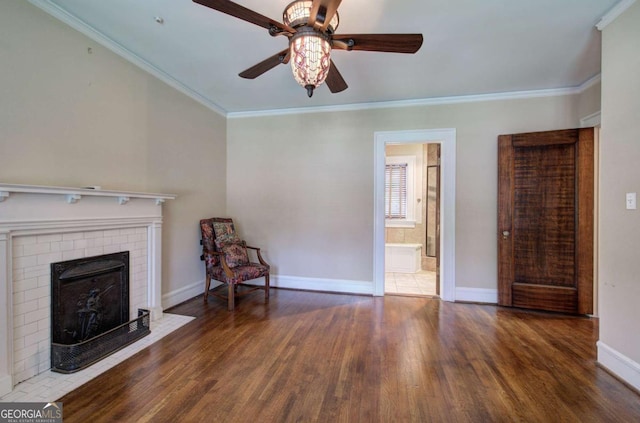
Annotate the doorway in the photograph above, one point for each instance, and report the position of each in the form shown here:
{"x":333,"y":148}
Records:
{"x":446,"y":138}
{"x":412,"y":196}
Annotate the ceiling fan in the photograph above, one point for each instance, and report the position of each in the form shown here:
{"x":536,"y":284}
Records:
{"x":310,"y":27}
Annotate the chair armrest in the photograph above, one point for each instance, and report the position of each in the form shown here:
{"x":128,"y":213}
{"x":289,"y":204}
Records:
{"x":260,"y":259}
{"x":223,"y":262}
{"x":225,"y":266}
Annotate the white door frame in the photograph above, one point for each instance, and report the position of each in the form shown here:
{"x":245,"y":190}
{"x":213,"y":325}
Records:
{"x":447,"y":140}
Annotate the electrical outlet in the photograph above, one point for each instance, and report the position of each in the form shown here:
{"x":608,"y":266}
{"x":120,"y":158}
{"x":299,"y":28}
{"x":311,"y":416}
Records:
{"x":631,"y":201}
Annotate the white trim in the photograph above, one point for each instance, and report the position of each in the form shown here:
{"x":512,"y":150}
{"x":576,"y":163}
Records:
{"x":612,"y":14}
{"x":76,"y":23}
{"x":434,"y":101}
{"x":477,"y":295}
{"x":589,"y":83}
{"x":447,"y":140}
{"x":6,"y":312}
{"x":77,"y":193}
{"x":73,"y":198}
{"x":592,"y":120}
{"x":619,"y":364}
{"x":154,"y":269}
{"x":319,"y":284}
{"x":185,"y":293}
{"x":37,"y":210}
{"x":97,"y":36}
{"x":44,"y":226}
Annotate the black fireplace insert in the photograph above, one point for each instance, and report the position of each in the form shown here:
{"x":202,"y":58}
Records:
{"x":90,"y":311}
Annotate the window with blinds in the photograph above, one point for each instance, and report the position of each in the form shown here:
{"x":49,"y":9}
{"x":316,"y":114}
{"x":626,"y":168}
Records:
{"x":395,"y":191}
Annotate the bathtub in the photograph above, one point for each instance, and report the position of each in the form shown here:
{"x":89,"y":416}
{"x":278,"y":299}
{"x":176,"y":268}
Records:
{"x":402,"y":258}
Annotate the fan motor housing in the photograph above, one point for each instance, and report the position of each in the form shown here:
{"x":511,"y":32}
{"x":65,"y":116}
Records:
{"x":297,"y":14}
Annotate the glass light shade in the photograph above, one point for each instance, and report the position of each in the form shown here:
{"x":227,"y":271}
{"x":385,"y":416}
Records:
{"x":310,"y":58}
{"x":298,"y":12}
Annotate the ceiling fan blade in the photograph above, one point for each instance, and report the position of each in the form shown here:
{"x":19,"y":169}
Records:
{"x":334,"y":80}
{"x":268,"y":64}
{"x":241,"y":12}
{"x":390,"y":43}
{"x":322,"y":11}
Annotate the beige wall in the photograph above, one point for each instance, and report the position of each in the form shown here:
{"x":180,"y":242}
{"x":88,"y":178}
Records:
{"x":589,"y":100}
{"x":620,"y":173}
{"x":70,"y":118}
{"x":302,"y":185}
{"x":298,"y":185}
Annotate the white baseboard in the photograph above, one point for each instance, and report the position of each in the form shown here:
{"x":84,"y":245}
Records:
{"x":317,"y":284}
{"x":473,"y":295}
{"x":477,"y":295}
{"x":619,"y":364}
{"x":185,"y":293}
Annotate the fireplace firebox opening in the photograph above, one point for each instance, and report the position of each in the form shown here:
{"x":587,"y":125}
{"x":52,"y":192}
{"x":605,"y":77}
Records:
{"x":90,"y":311}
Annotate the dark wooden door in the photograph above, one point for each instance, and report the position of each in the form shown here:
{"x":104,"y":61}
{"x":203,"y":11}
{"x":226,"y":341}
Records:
{"x":545,"y":220}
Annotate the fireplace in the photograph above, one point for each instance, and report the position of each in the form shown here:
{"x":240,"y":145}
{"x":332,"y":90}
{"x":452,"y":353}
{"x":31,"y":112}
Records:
{"x":43,"y":225}
{"x":90,"y":311}
{"x":89,"y":297}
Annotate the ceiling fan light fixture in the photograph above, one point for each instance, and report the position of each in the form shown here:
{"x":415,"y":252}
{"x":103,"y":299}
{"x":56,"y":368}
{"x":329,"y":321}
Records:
{"x":310,"y":27}
{"x":297,"y":13}
{"x":310,"y":58}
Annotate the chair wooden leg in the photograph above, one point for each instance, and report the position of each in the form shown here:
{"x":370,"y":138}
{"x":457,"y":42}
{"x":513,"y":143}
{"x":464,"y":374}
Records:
{"x":207,"y":285}
{"x":231,"y":301}
{"x":266,"y":287}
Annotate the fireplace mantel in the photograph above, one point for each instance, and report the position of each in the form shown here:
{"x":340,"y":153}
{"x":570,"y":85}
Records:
{"x":73,"y":195}
{"x":47,"y":212}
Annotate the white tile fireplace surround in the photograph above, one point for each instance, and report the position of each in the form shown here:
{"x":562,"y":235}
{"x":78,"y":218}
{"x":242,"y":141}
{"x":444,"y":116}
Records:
{"x":43,"y":225}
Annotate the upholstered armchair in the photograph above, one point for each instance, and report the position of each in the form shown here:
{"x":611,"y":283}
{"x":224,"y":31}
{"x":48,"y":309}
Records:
{"x":227,"y":260}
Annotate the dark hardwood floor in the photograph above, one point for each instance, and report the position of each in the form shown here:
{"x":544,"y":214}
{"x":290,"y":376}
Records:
{"x":308,"y":357}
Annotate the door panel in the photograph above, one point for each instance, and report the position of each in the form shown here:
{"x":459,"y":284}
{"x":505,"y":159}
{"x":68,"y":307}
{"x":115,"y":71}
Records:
{"x":545,"y":220}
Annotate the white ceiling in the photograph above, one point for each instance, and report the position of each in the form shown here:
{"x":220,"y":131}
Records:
{"x":470,"y":47}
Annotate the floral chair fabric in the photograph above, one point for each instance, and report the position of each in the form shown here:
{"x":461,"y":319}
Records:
{"x":235,"y":252}
{"x":227,"y":260}
{"x":225,"y":232}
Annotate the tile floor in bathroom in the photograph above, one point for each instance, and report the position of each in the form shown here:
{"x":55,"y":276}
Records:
{"x":420,"y":283}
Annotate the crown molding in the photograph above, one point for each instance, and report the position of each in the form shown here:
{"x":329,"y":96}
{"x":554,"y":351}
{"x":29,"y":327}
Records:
{"x":589,"y":83}
{"x":612,"y":14}
{"x":80,"y":26}
{"x":594,"y":119}
{"x":434,"y":101}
